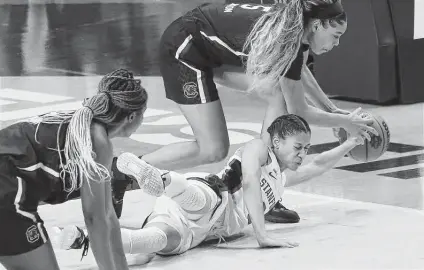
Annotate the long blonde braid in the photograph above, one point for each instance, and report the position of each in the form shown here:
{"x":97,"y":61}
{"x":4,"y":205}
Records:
{"x":274,"y":41}
{"x":119,"y":95}
{"x":273,"y":44}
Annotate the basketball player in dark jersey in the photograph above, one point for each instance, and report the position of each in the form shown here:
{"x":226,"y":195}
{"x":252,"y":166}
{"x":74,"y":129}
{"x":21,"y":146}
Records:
{"x":259,"y":47}
{"x":59,"y":156}
{"x":310,"y":60}
{"x":202,"y":43}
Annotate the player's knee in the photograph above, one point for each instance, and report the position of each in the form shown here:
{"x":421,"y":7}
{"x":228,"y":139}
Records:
{"x":214,"y":152}
{"x":173,"y":240}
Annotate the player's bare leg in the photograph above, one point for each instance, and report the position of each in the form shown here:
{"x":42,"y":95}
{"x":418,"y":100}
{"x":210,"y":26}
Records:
{"x":38,"y":259}
{"x":211,"y":145}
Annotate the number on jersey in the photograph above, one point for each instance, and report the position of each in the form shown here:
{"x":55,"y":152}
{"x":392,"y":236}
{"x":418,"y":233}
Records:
{"x":230,"y":7}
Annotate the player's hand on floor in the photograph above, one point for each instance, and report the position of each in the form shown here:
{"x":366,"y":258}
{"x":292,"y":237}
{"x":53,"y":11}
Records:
{"x":359,"y":124}
{"x":271,"y":243}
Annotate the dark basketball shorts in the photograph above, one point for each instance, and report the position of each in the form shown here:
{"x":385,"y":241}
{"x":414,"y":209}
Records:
{"x":187,"y":75}
{"x":21,"y":228}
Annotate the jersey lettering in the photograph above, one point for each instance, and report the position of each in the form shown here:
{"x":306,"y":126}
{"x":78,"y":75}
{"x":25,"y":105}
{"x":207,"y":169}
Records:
{"x":230,"y":8}
{"x":268,"y":191}
{"x":249,"y":6}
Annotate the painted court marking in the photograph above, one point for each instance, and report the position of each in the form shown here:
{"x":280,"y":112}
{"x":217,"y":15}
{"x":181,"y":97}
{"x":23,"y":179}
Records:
{"x":30,"y":112}
{"x":6,"y":102}
{"x":354,"y":202}
{"x":31,"y":96}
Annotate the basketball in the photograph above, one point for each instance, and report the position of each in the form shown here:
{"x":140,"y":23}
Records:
{"x":370,"y":150}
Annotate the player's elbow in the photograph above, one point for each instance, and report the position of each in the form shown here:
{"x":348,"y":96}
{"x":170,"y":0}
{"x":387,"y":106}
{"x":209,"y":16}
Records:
{"x":296,"y":103}
{"x":320,"y":166}
{"x":300,"y":110}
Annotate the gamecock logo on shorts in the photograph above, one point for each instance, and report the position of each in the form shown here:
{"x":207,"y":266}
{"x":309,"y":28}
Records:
{"x":190,"y":90}
{"x":32,"y":234}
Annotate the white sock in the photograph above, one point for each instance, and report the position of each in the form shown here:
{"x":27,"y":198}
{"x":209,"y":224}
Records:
{"x":188,"y":196}
{"x":146,"y":240}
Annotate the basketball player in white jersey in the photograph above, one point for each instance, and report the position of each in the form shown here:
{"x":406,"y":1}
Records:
{"x":200,"y":206}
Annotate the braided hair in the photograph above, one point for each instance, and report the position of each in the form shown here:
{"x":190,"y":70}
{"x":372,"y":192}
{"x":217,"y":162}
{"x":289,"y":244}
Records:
{"x":288,"y":125}
{"x":119,"y":95}
{"x":275,"y":39}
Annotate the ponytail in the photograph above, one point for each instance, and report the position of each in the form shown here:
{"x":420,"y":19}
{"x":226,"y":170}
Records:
{"x":272,"y":45}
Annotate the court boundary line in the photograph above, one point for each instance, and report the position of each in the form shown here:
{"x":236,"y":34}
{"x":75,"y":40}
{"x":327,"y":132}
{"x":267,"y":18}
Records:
{"x":350,"y":201}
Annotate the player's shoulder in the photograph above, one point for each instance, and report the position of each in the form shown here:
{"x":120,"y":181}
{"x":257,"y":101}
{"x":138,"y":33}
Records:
{"x":100,"y":137}
{"x":257,"y":148}
{"x":256,"y":143}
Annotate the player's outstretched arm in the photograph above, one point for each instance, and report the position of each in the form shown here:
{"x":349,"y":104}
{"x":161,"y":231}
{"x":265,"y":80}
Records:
{"x":255,"y":154}
{"x":322,"y":162}
{"x":294,"y":95}
{"x":99,"y":214}
{"x":315,"y":94}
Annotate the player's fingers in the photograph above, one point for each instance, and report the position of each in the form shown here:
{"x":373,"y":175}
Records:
{"x":367,"y":121}
{"x":372,"y":130}
{"x":365,"y":135}
{"x":294,"y":244}
{"x":291,"y":245}
{"x":356,"y":111}
{"x":368,"y":129}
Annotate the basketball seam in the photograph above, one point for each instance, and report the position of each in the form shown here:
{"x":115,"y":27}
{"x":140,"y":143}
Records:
{"x":366,"y":146}
{"x":383,"y":129}
{"x":383,"y":135}
{"x":386,"y":128}
{"x":366,"y":149}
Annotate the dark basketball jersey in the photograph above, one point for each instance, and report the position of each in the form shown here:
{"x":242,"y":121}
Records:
{"x":223,"y":29}
{"x":33,"y":148}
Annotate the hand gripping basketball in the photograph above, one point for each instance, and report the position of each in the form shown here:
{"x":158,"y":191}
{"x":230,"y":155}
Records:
{"x":360,"y":123}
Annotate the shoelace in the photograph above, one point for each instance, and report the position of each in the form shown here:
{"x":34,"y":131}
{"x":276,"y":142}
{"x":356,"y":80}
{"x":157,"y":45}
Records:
{"x":86,"y":244}
{"x":83,"y":242}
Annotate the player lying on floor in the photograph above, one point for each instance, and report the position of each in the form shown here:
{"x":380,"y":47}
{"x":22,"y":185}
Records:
{"x":200,"y":206}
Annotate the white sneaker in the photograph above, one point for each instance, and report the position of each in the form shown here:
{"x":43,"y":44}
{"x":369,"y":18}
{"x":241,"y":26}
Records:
{"x":148,"y":177}
{"x":69,"y":237}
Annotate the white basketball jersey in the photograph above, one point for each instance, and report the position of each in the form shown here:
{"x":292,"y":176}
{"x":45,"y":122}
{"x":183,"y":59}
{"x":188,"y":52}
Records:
{"x":272,"y":183}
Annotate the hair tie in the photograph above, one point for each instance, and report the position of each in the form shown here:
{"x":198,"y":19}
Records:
{"x":108,"y":95}
{"x":88,"y":107}
{"x":324,"y":12}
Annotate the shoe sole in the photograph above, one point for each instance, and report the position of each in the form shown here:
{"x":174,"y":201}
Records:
{"x":147,"y":176}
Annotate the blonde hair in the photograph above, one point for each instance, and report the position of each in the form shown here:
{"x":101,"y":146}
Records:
{"x":274,"y":42}
{"x":119,"y":94}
